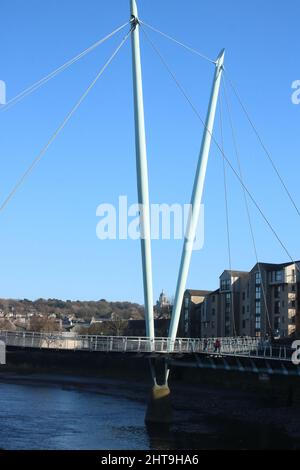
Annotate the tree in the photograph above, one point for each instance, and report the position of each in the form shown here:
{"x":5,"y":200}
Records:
{"x":7,"y":325}
{"x":115,"y":327}
{"x":44,"y":325}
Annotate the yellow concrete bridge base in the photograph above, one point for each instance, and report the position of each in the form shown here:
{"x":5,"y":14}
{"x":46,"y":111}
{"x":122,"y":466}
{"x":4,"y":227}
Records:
{"x":159,"y":408}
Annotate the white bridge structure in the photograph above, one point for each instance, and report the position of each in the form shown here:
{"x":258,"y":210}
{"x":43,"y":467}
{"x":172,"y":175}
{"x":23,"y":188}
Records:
{"x":238,"y":347}
{"x":172,"y":348}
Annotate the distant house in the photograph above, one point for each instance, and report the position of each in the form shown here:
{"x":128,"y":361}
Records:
{"x":95,"y":321}
{"x":79,"y":324}
{"x":67,"y":324}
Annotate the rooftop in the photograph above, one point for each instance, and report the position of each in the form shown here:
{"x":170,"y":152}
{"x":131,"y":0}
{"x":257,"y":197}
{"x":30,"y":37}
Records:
{"x":198,"y":293}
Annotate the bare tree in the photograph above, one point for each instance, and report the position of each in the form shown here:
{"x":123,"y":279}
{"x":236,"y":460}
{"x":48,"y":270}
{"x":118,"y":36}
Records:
{"x":115,"y":327}
{"x":44,"y":325}
{"x":7,"y":325}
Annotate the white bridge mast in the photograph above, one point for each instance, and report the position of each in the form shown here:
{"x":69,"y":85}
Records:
{"x":196,"y":200}
{"x":142,"y":172}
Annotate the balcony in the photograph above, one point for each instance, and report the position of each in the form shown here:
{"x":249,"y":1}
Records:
{"x":292,"y":320}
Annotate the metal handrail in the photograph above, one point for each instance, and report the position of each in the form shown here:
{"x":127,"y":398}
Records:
{"x":244,"y":346}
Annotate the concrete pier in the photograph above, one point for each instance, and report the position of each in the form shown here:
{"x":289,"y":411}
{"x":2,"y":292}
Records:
{"x":159,"y":410}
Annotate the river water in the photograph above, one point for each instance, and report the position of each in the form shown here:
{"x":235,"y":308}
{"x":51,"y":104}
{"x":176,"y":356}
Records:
{"x":35,"y":416}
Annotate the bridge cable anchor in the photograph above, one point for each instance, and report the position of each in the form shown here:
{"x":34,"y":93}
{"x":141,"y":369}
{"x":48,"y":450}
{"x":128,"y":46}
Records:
{"x":134,"y":22}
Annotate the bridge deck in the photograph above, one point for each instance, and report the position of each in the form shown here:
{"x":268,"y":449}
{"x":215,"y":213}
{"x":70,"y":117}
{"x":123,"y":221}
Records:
{"x":237,"y":347}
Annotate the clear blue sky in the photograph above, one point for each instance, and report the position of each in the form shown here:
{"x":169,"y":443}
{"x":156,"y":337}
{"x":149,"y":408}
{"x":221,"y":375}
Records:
{"x":48,"y":244}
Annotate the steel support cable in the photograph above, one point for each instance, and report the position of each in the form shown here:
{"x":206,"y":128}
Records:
{"x":227,"y":220}
{"x":191,"y":49}
{"x":182,"y":90}
{"x":63,"y":124}
{"x":266,"y":151}
{"x":44,"y":80}
{"x":237,"y":153}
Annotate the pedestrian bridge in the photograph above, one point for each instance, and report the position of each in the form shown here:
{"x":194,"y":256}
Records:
{"x":240,"y":347}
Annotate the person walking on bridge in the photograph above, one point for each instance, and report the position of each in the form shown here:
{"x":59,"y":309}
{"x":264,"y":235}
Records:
{"x":217,"y":346}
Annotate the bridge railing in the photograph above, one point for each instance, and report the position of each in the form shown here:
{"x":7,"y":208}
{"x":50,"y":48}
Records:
{"x":124,"y":344}
{"x":246,"y":346}
{"x":98,"y":343}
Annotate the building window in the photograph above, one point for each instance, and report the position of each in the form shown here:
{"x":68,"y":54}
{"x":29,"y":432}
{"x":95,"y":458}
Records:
{"x":212,"y":324}
{"x":243,"y":310}
{"x":244,"y":324}
{"x":257,"y":293}
{"x":277,"y":292}
{"x":244,"y":295}
{"x":225,"y":284}
{"x":257,"y":316}
{"x":277,"y":276}
{"x":277,"y":307}
{"x":257,"y":278}
{"x":213,"y":298}
{"x":213,"y":312}
{"x":293,"y":288}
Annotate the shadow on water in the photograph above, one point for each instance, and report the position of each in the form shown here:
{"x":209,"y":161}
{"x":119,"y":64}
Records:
{"x":218,"y":434}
